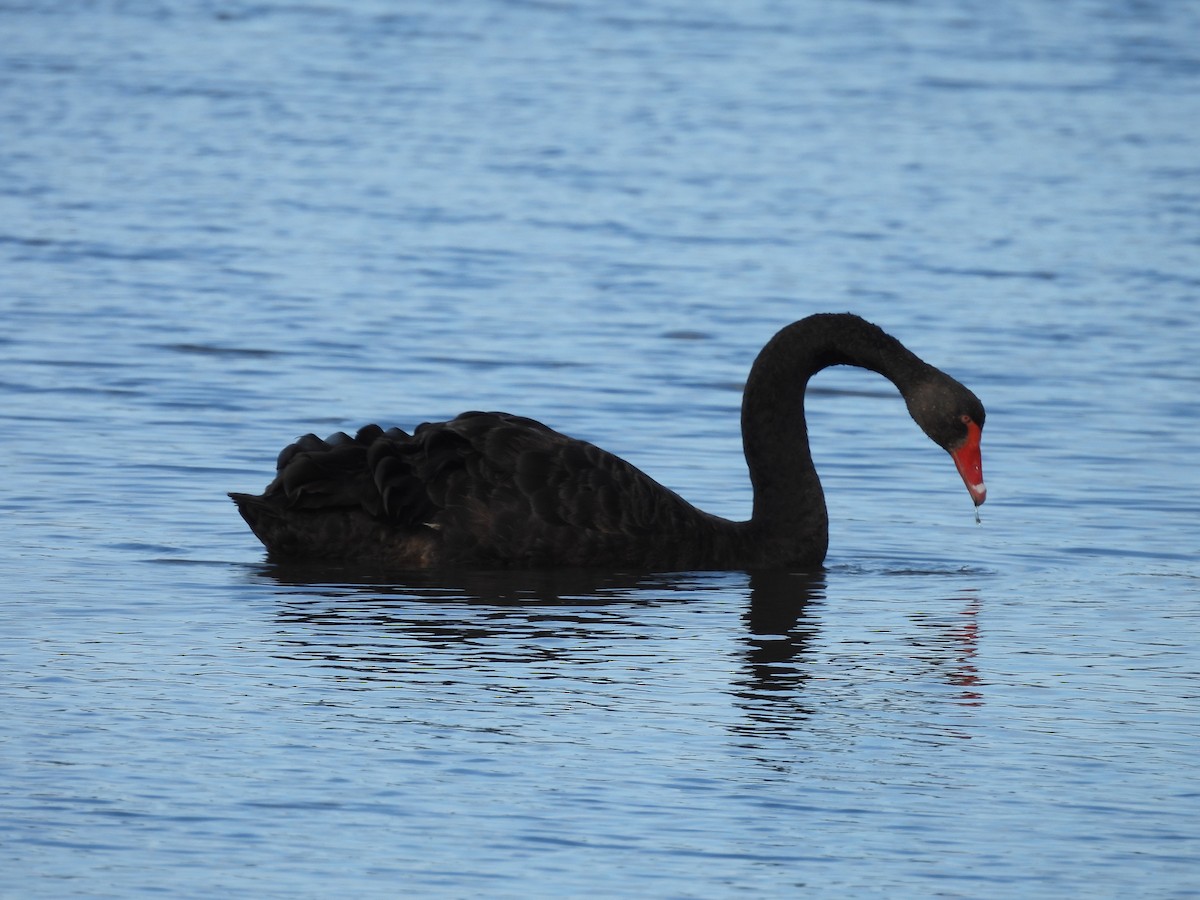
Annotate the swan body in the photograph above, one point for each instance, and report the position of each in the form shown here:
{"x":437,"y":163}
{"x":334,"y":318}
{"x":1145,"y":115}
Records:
{"x":494,"y":490}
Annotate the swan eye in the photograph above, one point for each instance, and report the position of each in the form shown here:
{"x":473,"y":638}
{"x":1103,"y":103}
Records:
{"x":965,"y":419}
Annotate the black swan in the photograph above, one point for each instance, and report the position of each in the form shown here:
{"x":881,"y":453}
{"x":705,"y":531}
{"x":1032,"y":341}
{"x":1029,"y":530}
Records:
{"x":498,"y":490}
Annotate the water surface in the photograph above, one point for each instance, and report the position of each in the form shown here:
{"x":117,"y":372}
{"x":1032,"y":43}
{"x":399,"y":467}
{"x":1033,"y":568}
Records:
{"x":223,"y":225}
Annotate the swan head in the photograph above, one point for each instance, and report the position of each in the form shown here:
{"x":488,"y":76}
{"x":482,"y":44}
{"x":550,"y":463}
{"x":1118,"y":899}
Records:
{"x":953,"y":418}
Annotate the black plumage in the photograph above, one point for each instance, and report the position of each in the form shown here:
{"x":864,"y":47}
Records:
{"x":491,"y":489}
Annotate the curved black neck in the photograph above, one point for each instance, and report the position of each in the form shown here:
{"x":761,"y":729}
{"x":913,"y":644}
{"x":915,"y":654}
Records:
{"x":790,"y":519}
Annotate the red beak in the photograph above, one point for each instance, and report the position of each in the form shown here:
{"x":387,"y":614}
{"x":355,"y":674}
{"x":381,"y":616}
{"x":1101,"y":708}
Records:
{"x":969,"y":463}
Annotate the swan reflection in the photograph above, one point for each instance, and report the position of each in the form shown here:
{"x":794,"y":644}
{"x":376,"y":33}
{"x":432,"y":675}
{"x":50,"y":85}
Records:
{"x":602,"y":631}
{"x":779,"y":630}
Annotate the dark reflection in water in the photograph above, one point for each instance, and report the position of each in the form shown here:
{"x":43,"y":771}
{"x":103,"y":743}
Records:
{"x":779,"y":632}
{"x":551,"y":587}
{"x":370,"y":623}
{"x":383,"y":627}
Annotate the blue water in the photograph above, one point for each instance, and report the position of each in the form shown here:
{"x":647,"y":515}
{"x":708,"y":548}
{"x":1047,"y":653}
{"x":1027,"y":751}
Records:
{"x":225,"y":224}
